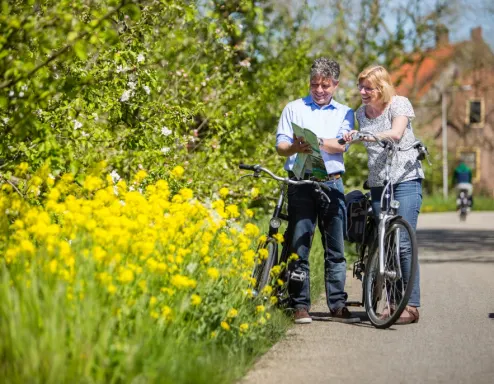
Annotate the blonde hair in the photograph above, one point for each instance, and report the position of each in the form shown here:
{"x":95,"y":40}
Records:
{"x":379,"y":79}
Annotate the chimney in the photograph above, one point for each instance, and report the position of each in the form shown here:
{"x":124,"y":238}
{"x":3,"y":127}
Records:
{"x":442,"y":35}
{"x":476,"y":34}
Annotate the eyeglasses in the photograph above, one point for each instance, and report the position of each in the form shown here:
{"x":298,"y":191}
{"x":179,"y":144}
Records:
{"x":366,"y":89}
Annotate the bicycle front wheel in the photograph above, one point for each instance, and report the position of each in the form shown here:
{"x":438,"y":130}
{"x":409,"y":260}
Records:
{"x":387,"y":294}
{"x":266,"y":258}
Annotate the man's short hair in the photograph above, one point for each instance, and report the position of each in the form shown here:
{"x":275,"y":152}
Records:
{"x":325,"y":68}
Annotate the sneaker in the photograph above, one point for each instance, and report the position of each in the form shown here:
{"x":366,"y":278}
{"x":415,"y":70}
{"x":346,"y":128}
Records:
{"x":302,"y":316}
{"x":343,"y":315}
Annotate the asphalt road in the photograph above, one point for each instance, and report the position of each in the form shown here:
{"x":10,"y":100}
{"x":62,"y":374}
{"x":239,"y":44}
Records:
{"x":452,"y":343}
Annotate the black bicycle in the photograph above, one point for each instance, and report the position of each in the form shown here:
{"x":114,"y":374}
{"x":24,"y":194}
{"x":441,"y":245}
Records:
{"x":380,"y":243}
{"x":268,"y":254}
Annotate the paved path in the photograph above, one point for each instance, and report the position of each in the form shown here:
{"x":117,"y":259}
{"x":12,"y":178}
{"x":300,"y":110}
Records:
{"x":452,"y":343}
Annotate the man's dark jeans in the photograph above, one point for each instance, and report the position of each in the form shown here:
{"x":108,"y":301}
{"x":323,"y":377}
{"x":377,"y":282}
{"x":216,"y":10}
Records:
{"x":305,"y":207}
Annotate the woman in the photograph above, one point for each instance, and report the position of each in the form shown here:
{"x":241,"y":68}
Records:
{"x":389,"y":116}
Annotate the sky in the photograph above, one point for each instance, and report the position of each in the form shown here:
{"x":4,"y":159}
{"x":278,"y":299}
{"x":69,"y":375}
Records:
{"x":469,"y":14}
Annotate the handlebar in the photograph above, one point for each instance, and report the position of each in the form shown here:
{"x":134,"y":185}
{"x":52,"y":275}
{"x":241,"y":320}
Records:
{"x":423,"y":153}
{"x":319,"y":185}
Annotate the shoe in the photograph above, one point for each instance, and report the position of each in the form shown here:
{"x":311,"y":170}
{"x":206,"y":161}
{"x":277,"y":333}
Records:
{"x":301,"y":316}
{"x":343,"y":315}
{"x":410,"y":315}
{"x":387,"y":312}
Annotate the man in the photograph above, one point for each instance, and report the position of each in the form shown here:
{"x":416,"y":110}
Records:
{"x":462,"y":178}
{"x":328,"y":119}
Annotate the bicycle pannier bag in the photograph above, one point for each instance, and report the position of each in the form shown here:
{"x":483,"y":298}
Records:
{"x":358,"y":208}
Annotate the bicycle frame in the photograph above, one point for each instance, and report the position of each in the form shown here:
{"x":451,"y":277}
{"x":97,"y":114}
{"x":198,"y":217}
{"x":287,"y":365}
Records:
{"x":387,"y":203}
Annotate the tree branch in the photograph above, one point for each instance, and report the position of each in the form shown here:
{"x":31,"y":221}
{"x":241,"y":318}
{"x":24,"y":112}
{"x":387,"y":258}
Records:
{"x":61,"y":51}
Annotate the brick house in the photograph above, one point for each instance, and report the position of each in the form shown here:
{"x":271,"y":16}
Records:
{"x":462,"y":73}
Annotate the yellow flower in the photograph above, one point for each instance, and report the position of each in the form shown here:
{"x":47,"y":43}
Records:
{"x":195,"y":299}
{"x":260,"y":309}
{"x":23,"y":167}
{"x":263,"y":254}
{"x":232,"y":313}
{"x":279,"y":238}
{"x":267,"y":290}
{"x":152,"y":301}
{"x":254,"y":192}
{"x":213,"y":273}
{"x":178,"y":171}
{"x":249,"y":213}
{"x":244,"y":327}
{"x":225,"y":326}
{"x":126,"y":276}
{"x":293,"y":257}
{"x":139,"y":176}
{"x":232,"y":210}
{"x":186,"y":193}
{"x":224,"y":192}
{"x":251,"y":230}
{"x":53,"y":266}
{"x":181,"y":281}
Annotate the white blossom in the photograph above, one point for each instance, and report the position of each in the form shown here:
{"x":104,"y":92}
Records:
{"x":114,"y":176}
{"x":245,"y":63}
{"x":115,"y":190}
{"x":39,"y":112}
{"x":146,"y":89}
{"x":21,"y":94}
{"x":6,"y":120}
{"x":11,"y":94}
{"x":77,"y":124}
{"x":165,"y":131}
{"x":24,"y":87}
{"x":126,"y":95}
{"x":165,"y":150}
{"x":140,"y":58}
{"x":84,"y":134}
{"x":122,"y":203}
{"x":132,"y":84}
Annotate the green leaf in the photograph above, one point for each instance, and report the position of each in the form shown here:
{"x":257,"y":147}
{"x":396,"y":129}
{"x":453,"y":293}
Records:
{"x":80,"y":49}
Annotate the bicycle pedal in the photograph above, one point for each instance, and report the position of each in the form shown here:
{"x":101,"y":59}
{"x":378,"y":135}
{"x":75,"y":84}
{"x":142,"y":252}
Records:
{"x":298,"y":276}
{"x":354,"y":304}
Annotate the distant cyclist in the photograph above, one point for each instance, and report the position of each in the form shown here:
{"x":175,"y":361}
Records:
{"x":462,"y":179}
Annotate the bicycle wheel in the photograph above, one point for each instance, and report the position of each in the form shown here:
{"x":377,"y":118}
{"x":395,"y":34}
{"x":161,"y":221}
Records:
{"x":386,"y":296}
{"x":264,"y":264}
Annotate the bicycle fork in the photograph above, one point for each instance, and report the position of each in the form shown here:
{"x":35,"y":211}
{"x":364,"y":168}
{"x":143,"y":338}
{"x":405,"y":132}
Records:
{"x":394,"y":275}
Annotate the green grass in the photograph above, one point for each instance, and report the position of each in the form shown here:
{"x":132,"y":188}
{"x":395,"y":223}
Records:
{"x":436,"y":203}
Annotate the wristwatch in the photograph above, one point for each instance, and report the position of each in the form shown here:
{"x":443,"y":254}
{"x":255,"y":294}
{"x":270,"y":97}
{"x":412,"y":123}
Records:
{"x":321,"y":141}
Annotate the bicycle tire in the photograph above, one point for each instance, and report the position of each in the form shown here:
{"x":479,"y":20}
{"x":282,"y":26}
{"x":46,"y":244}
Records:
{"x":262,"y":268}
{"x":377,"y":287}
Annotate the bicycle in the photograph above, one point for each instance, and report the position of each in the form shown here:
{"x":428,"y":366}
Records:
{"x":265,"y":261}
{"x":384,"y":295}
{"x":463,"y":203}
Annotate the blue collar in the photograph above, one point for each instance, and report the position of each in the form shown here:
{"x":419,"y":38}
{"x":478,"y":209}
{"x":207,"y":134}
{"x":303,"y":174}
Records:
{"x":309,"y":101}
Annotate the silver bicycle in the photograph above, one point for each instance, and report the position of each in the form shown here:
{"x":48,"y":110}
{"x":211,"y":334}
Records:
{"x":387,"y":286}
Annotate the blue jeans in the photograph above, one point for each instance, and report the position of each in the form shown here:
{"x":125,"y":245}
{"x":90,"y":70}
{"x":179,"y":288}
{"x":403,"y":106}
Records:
{"x":409,"y":194}
{"x":305,"y":207}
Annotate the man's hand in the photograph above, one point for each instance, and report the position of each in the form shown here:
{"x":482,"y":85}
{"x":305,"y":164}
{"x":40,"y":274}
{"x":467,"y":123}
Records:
{"x":332,"y":146}
{"x":298,"y":146}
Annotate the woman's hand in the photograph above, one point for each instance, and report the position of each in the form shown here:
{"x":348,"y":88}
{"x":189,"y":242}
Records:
{"x":348,"y":136}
